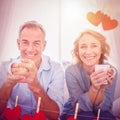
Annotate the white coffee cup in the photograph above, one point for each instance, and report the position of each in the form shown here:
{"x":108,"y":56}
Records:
{"x":102,"y":67}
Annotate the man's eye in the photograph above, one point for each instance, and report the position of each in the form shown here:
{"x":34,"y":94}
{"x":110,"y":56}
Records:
{"x":24,"y":43}
{"x":37,"y":43}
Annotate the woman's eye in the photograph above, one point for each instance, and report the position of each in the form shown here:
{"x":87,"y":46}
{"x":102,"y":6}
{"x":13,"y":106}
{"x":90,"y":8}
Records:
{"x":94,"y":46}
{"x":83,"y":47}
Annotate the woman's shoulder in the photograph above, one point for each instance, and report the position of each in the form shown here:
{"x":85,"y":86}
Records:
{"x":72,"y":67}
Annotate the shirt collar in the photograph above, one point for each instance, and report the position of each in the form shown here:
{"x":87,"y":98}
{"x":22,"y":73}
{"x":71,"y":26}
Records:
{"x":45,"y":64}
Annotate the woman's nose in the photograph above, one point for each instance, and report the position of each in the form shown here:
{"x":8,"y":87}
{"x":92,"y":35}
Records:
{"x":88,"y":50}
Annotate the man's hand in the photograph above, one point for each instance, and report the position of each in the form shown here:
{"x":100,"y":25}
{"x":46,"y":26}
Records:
{"x":24,"y":72}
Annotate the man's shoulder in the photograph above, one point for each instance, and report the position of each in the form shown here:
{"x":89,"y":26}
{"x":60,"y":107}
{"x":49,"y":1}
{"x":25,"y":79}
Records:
{"x":48,"y":59}
{"x":5,"y":63}
{"x":50,"y":63}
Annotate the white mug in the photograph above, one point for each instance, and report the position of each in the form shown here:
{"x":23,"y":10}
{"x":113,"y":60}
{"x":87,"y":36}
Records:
{"x":102,"y":67}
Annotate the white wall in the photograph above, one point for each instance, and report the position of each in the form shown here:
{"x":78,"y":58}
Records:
{"x":44,"y":11}
{"x":63,"y":20}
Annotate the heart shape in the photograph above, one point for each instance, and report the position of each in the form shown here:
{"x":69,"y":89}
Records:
{"x":36,"y":116}
{"x":27,"y":117}
{"x":108,"y":23}
{"x":71,"y":118}
{"x":96,"y":18}
{"x":12,"y":114}
{"x":39,"y":116}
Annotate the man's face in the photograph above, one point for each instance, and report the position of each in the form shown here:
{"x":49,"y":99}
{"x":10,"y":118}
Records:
{"x":31,"y":44}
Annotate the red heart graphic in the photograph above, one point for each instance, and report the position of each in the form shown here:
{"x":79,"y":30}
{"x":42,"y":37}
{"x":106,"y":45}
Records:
{"x":36,"y":116}
{"x":96,"y":18}
{"x":27,"y":117}
{"x":71,"y":118}
{"x":12,"y":114}
{"x":39,"y":116}
{"x":109,"y":24}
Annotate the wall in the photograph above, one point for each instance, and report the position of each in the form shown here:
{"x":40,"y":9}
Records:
{"x":63,"y":20}
{"x":43,"y":11}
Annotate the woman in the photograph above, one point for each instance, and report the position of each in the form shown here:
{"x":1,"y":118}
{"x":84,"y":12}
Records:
{"x":92,"y":89}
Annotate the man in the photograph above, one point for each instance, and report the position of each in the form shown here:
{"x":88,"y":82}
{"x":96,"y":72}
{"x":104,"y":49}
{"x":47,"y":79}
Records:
{"x":32,"y":75}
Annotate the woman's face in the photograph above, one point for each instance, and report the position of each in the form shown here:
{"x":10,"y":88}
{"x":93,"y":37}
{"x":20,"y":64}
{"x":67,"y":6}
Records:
{"x":89,"y":50}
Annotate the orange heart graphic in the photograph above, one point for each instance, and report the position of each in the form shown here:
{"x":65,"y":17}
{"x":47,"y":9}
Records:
{"x":109,"y":24}
{"x":96,"y":18}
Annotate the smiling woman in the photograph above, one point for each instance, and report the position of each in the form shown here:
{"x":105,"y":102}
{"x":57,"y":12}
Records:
{"x":92,"y":89}
{"x":91,"y":41}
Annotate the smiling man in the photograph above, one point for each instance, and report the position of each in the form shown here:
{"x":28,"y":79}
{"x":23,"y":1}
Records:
{"x":32,"y":75}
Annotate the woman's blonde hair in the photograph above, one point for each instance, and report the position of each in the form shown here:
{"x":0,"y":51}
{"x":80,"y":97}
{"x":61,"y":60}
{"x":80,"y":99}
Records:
{"x":104,"y":46}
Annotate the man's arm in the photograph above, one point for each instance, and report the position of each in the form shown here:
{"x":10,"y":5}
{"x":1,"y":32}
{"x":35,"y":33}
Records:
{"x":28,"y":70}
{"x":5,"y":92}
{"x":47,"y":105}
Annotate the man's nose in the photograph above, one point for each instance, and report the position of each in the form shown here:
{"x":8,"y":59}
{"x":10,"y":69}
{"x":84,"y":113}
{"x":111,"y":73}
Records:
{"x":30,"y":47}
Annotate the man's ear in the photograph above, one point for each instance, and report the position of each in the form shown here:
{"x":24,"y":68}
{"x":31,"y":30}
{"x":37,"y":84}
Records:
{"x":44,"y":44}
{"x":18,"y":43}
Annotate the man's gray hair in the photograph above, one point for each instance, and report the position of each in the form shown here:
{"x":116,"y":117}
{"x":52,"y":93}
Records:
{"x":31,"y":24}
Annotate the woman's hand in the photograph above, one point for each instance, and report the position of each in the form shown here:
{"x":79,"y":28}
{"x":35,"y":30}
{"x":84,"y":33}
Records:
{"x":98,"y":78}
{"x":110,"y":75}
{"x":101,"y":79}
